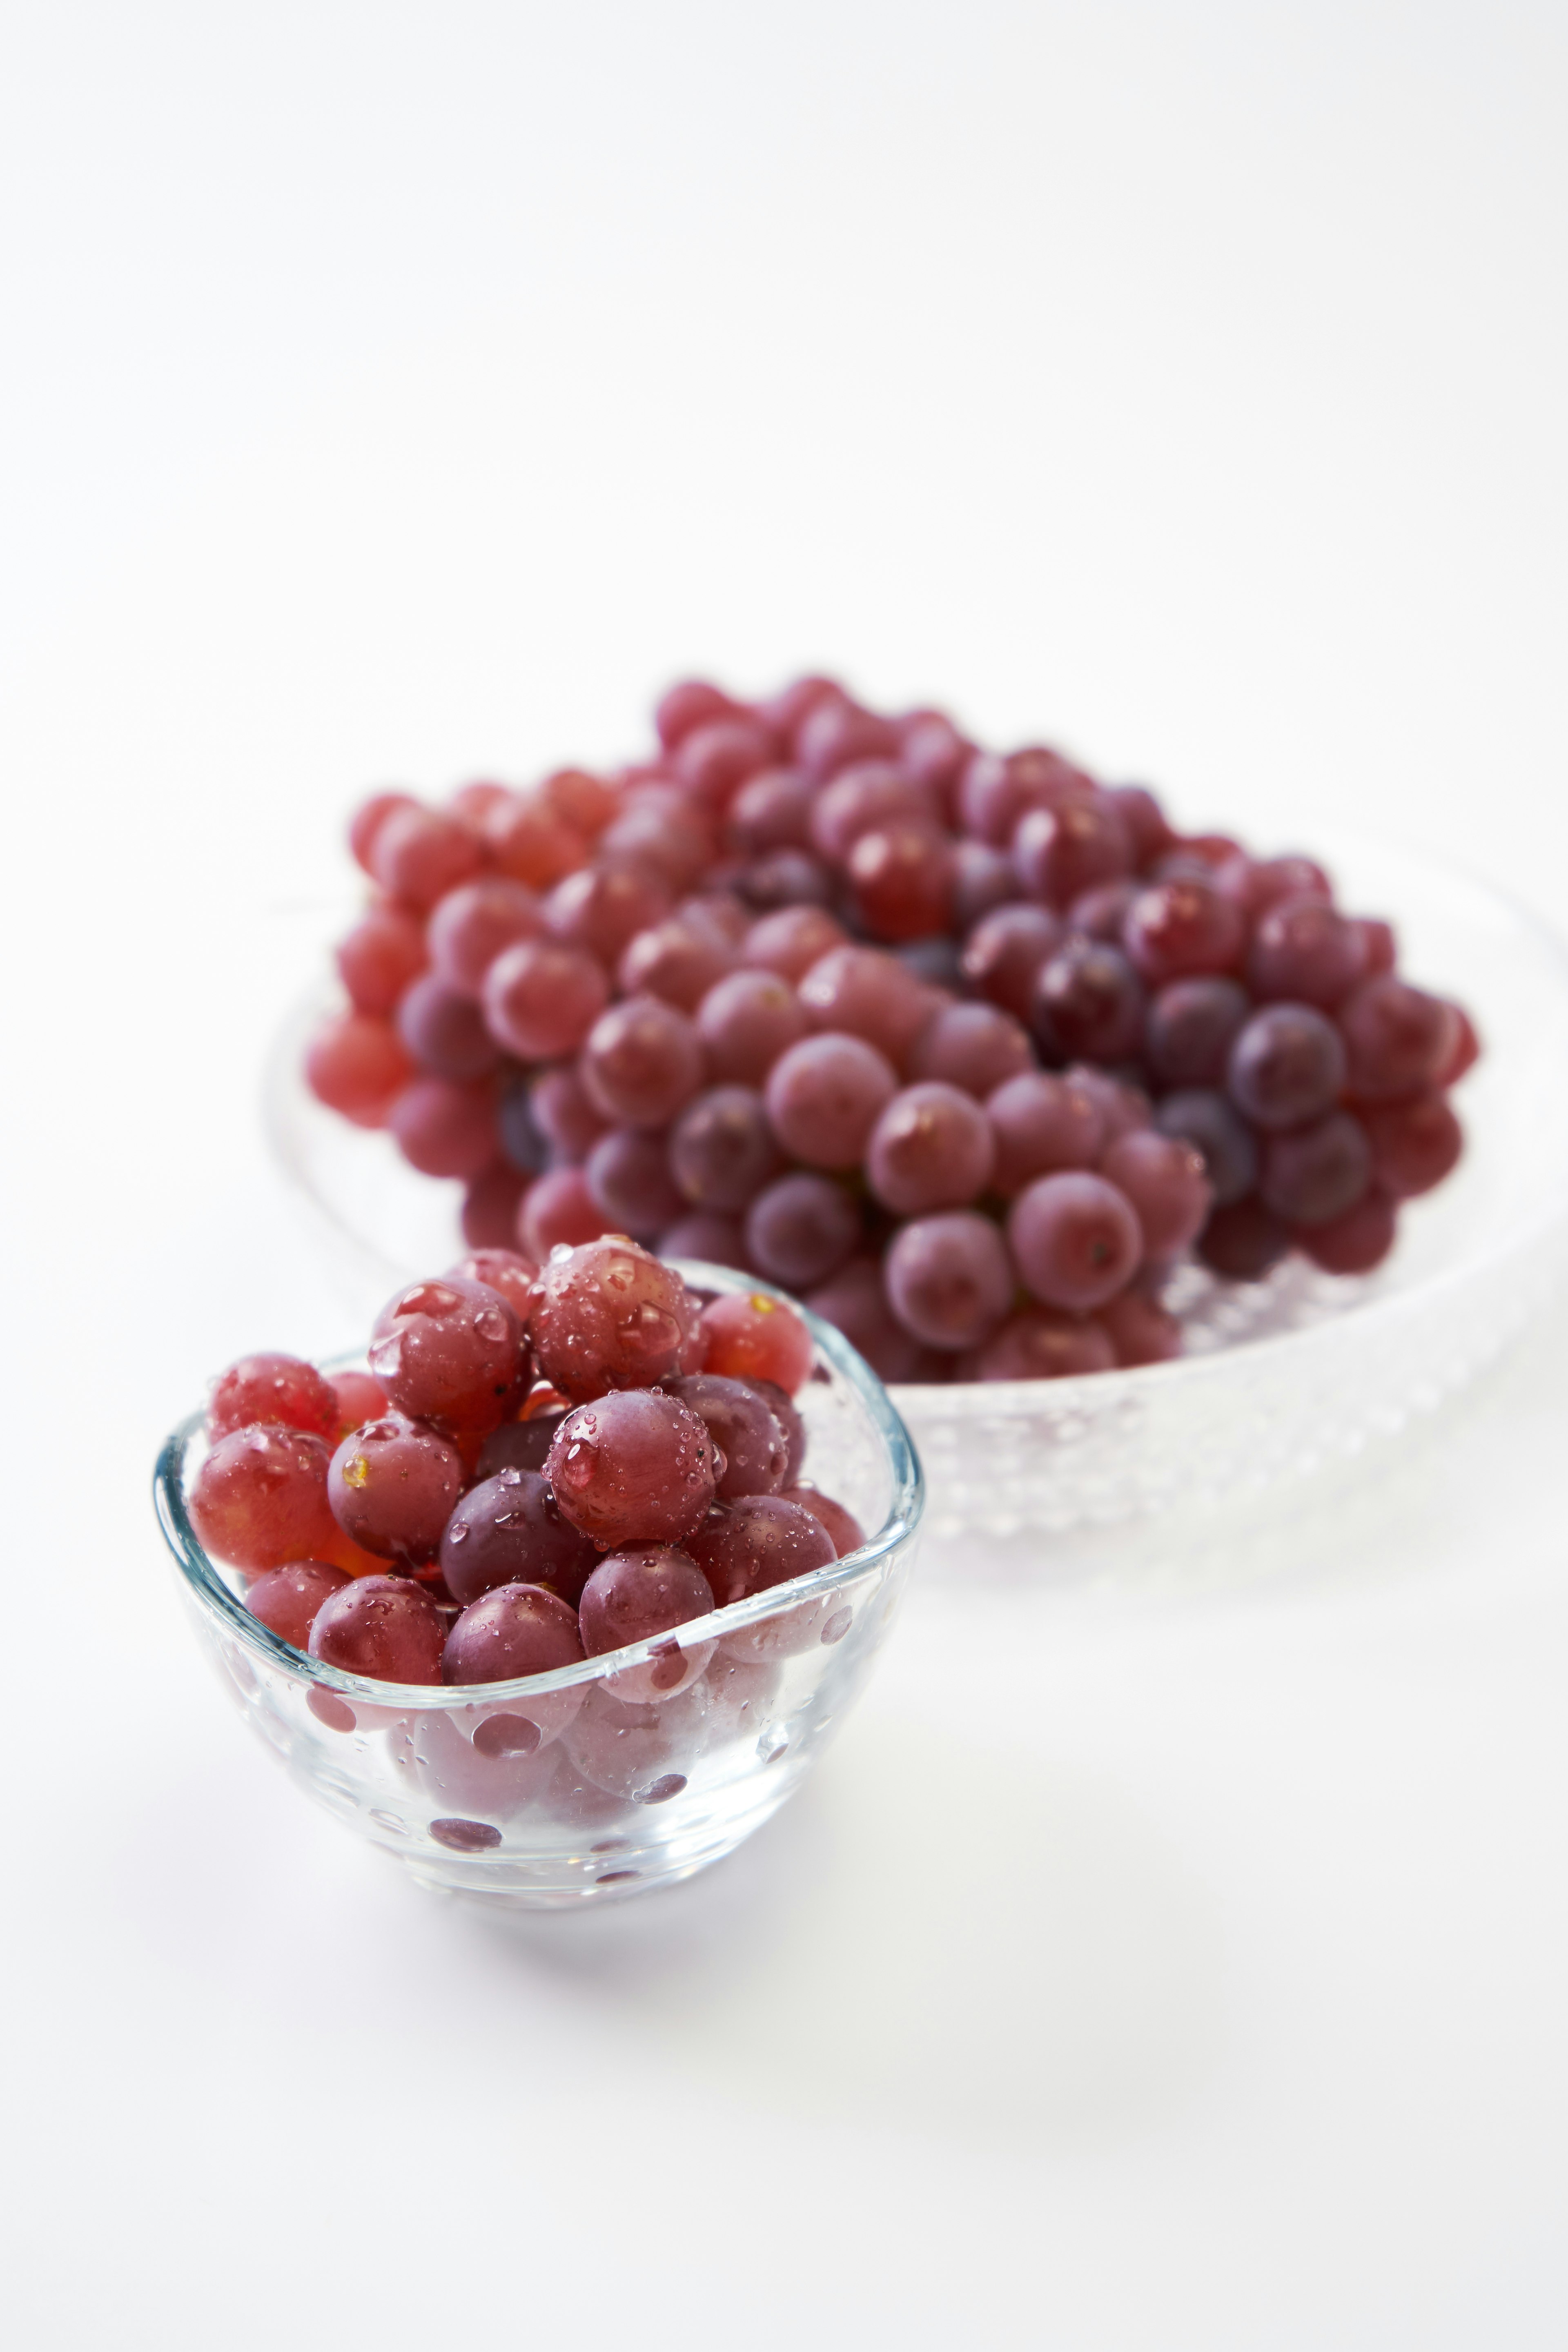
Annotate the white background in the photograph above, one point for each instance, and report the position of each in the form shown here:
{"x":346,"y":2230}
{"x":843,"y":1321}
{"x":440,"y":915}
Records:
{"x":406,"y":392}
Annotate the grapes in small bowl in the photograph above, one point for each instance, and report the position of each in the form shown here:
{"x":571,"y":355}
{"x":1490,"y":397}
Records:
{"x":556,"y":1594}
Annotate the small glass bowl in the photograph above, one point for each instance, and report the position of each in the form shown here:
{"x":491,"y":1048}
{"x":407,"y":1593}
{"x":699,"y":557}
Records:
{"x":564,"y":1788}
{"x":1280,"y":1376}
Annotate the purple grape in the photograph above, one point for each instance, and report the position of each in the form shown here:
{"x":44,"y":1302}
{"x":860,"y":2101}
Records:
{"x":825,"y":1095}
{"x":771,"y":810}
{"x":1003,"y":952}
{"x":475,"y":924}
{"x":864,"y":992}
{"x":1304,"y":950}
{"x":512,"y":1630}
{"x":721,"y":1148}
{"x":759,"y":1542}
{"x":1037,"y":1344}
{"x":628,"y":1173}
{"x":745,"y":1427}
{"x":392,"y":1486}
{"x":1397,"y":1039}
{"x":801,"y":1229}
{"x":1242,"y":1240}
{"x":931,"y":1149}
{"x":1087,"y":1005}
{"x":635,"y":1595}
{"x":785,"y":877}
{"x":1315,"y":1174}
{"x":516,"y":1445}
{"x":983,"y":878}
{"x":855,"y":1301}
{"x":1041,"y":1123}
{"x":745,"y":1022}
{"x":445,"y":1031}
{"x":1060,"y":853}
{"x":1188,"y":1031}
{"x":509,"y":1530}
{"x":642,"y":1061}
{"x":1076,"y":1240}
{"x":976,"y":1046}
{"x":1101,"y":913}
{"x":710,"y":1239}
{"x":383,"y":1627}
{"x":635,"y":1467}
{"x":949,"y":1278}
{"x":1219,"y":1134}
{"x":1163,"y":1178}
{"x":448,"y":1351}
{"x":935,"y":962}
{"x":523,"y":1139}
{"x":1287,"y":1066}
{"x":786,"y":1412}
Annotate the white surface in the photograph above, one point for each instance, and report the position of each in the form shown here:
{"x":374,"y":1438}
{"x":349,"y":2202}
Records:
{"x":405,"y":391}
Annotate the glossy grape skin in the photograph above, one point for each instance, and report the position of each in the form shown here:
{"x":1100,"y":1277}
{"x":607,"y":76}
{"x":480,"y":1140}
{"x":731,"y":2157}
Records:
{"x":932,"y":1147}
{"x":501,"y":1269}
{"x":1037,"y":1344}
{"x":691,"y":703}
{"x":1285,"y":1066}
{"x":448,"y":1351}
{"x":368,"y":819}
{"x":258,"y":1500}
{"x":710,"y":1239}
{"x":628,"y":1173}
{"x":1356,"y":1242}
{"x":1305,"y":950}
{"x":1040,"y":1122}
{"x":393,"y":1485}
{"x":492,"y":1202}
{"x":283,"y":1390}
{"x":445,"y":1128}
{"x":445,"y":1032}
{"x":949,"y":1278}
{"x":559,"y":1210}
{"x":1147,"y":828}
{"x":1140,"y":1330}
{"x":844,"y":1529}
{"x":721,"y":1148}
{"x":1315,"y":1174}
{"x":745,"y":1022}
{"x":383,"y":1627}
{"x":791,"y":941}
{"x":976,"y":1046}
{"x":747,"y":1335}
{"x":1189,"y":1029}
{"x":1075,"y":1239}
{"x":1060,"y":853}
{"x":1397,"y":1039}
{"x":359,"y":1397}
{"x":901,"y":878}
{"x":855,"y":1301}
{"x":419,"y":854}
{"x":610,"y":1316}
{"x":675,"y":961}
{"x":564,"y":1114}
{"x":1162,"y":1177}
{"x":756,"y":1543}
{"x":836,"y":733}
{"x":1220,"y":1135}
{"x":600,"y":909}
{"x":510,"y":1632}
{"x":642,"y":1062}
{"x":714,"y":760}
{"x":771,"y":810}
{"x":508,"y":1529}
{"x":1005,"y":952}
{"x":863,"y":993}
{"x":867,"y":798}
{"x":1183,"y":928}
{"x":931,"y":750}
{"x":286,"y":1599}
{"x":635,"y":1595}
{"x":802,"y":1229}
{"x":517,"y":1446}
{"x":994,"y":792}
{"x":532,"y":844}
{"x":1414,"y":1144}
{"x":825,"y":1096}
{"x":380,"y":958}
{"x":473,"y":925}
{"x":541,"y":998}
{"x":745,"y":1428}
{"x":634,"y":1466}
{"x":358,"y":1067}
{"x":1086,"y":1004}
{"x":1242,"y":1240}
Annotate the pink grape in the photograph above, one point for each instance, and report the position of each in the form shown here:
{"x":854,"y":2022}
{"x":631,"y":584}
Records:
{"x":864,"y":799}
{"x":1145,"y":821}
{"x":628,"y":1174}
{"x":665,"y":833}
{"x":508,"y":1529}
{"x":791,"y":940}
{"x":492,"y":1202}
{"x":745,"y":1022}
{"x":448,"y":1351}
{"x":994,"y":793}
{"x":259,"y":1498}
{"x":368,"y":819}
{"x":1314,"y":1173}
{"x":640,"y":1753}
{"x":501,"y":1269}
{"x":745,"y":1428}
{"x":379,"y":959}
{"x":358,"y":1399}
{"x":801,"y":1229}
{"x":383,"y":1627}
{"x":1076,"y":1240}
{"x":635,"y":1595}
{"x":1003,"y":952}
{"x":561,"y":1109}
{"x":600,"y":909}
{"x":710,"y":1239}
{"x":444,"y":1129}
{"x":932,"y":1147}
{"x":1041,"y":1123}
{"x":1258,"y":884}
{"x":1058,"y":852}
{"x":771,"y":810}
{"x":1181,"y":928}
{"x":949,"y":1279}
{"x":1397,"y":1039}
{"x":675,"y":961}
{"x":642,"y":1062}
{"x":417,"y":855}
{"x":844,"y":1529}
{"x":1140,"y":1330}
{"x":510,"y":1631}
{"x":635,"y":1467}
{"x":931,"y":750}
{"x":976,"y":1046}
{"x":530,"y":844}
{"x":1164,"y":1179}
{"x":1285,"y":1066}
{"x":1037,"y":1344}
{"x":610,"y":1316}
{"x":583,"y":802}
{"x":722,"y":1149}
{"x":1121,"y":1106}
{"x":825,"y":1096}
{"x":1189,"y":1029}
{"x":281,"y":1389}
{"x":392,"y":1486}
{"x":357,"y":1067}
{"x":473,"y":925}
{"x":1088,"y":1004}
{"x":835,"y":734}
{"x":287,"y":1599}
{"x":746,"y":1336}
{"x":541,"y":998}
{"x":559,"y":1212}
{"x":855,"y":1301}
{"x":1414,"y":1144}
{"x":714,"y":760}
{"x":693,"y":703}
{"x":445,"y":1032}
{"x":864,"y":994}
{"x":1355,"y":1241}
{"x":1304,"y":950}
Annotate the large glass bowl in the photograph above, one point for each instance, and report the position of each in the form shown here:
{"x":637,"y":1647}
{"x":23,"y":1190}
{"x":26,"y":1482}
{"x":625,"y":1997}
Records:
{"x":1280,"y":1376}
{"x":564,"y":1788}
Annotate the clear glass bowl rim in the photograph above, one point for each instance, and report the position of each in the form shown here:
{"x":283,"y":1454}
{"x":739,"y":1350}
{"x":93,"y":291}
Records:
{"x":905,"y":1509}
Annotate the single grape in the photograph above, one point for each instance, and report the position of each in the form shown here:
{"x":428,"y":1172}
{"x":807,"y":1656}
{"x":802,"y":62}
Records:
{"x":745,"y":1428}
{"x":642,"y":1061}
{"x":786,"y":1412}
{"x":721,"y":1148}
{"x":844,"y":1529}
{"x":259,"y":1498}
{"x":418,"y":855}
{"x":357,"y":1067}
{"x":1037,"y":1344}
{"x":862,"y":992}
{"x":510,"y":1632}
{"x":610,"y":1316}
{"x":1087,"y":1005}
{"x":801,"y":1229}
{"x":629,"y":1176}
{"x":976,"y":1046}
{"x":825,"y":1096}
{"x":1397,"y":1039}
{"x":790,"y":941}
{"x":492,"y":1202}
{"x":445,"y":1032}
{"x":745,"y":1022}
{"x":542,"y":998}
{"x":1058,"y":852}
{"x":1316,"y":1173}
{"x":1285,"y":1066}
{"x":691,"y":704}
{"x":635,"y":1595}
{"x":584,"y":801}
{"x":1040,"y":1123}
{"x":856,"y":1303}
{"x":1145,"y":821}
{"x":1189,"y":1029}
{"x":983,"y":879}
{"x":635,"y":1467}
{"x":787,"y":711}
{"x":383,"y":1627}
{"x":665,"y":833}
{"x":531,"y":843}
{"x":1005,"y":952}
{"x":864,"y":799}
{"x":1183,"y":927}
{"x":358,"y":1399}
{"x":393,"y":1486}
{"x":756,"y":1543}
{"x":710,"y":1239}
{"x":444,"y":1129}
{"x":1140,"y":1330}
{"x":931,"y":1149}
{"x":949,"y":1278}
{"x":750,"y":1337}
{"x":380,"y":958}
{"x":368,"y":819}
{"x":901,"y":878}
{"x":676,"y":960}
{"x":836,"y":733}
{"x":1242,"y":1240}
{"x":1163,"y":1178}
{"x":1304,"y":950}
{"x":500,"y":1269}
{"x":1380,"y":951}
{"x":1076,"y":1240}
{"x":449,"y":1351}
{"x":994,"y":792}
{"x":286,"y":1600}
{"x":771,"y":810}
{"x":1101,"y":913}
{"x":473,"y":925}
{"x":279,"y":1389}
{"x":600,"y":909}
{"x":1122,"y":1105}
{"x":1356,"y":1242}
{"x":517,"y":1446}
{"x":1220,"y":1137}
{"x":560,"y":1110}
{"x":1414,"y":1144}
{"x":931,"y":750}
{"x":559,"y":1212}
{"x":715,"y":759}
{"x":1257,"y":884}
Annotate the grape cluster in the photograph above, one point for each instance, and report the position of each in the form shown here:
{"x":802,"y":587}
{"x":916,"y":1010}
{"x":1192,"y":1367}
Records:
{"x":965,"y":1048}
{"x":542,"y":1466}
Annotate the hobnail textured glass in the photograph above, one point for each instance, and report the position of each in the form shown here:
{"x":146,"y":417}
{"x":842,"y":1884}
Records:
{"x":1279,"y":1377}
{"x":550,"y":1791}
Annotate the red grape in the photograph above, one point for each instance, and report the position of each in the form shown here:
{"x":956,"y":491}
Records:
{"x":583,"y":802}
{"x":1316,"y":1173}
{"x":1003,"y":952}
{"x":446,"y":1129}
{"x":383,"y":1627}
{"x":931,"y":1149}
{"x":259,"y":1498}
{"x":1242,"y":1240}
{"x":1414,"y":1144}
{"x":1076,"y":1240}
{"x":1285,"y":1066}
{"x":357,"y":1067}
{"x":393,"y":1486}
{"x":542,"y":998}
{"x":1397,"y":1039}
{"x":1041,"y":1123}
{"x":1140,"y":1330}
{"x":1303,"y":949}
{"x":1088,"y":1004}
{"x":634,"y":1466}
{"x":865,"y":799}
{"x":610,"y":1316}
{"x":856,"y":1303}
{"x":642,"y":1061}
{"x":491,"y":1204}
{"x":368,"y":819}
{"x":825,"y":1095}
{"x":449,"y":1351}
{"x":1037,"y":1344}
{"x":757,"y":1542}
{"x":771,"y":810}
{"x":1058,"y":852}
{"x":279,"y":1389}
{"x":418,"y":855}
{"x":1101,"y":913}
{"x":691,"y":704}
{"x":715,"y":759}
{"x":1183,"y":927}
{"x":901,"y":879}
{"x":865,"y":994}
{"x":503,"y":1270}
{"x":379,"y":958}
{"x":445,"y":1031}
{"x":1163,"y":1176}
{"x":628,"y":1173}
{"x":994,"y":793}
{"x":791,"y":940}
{"x":750,"y":1337}
{"x":949,"y":1278}
{"x":635,"y":1595}
{"x":711,"y":1240}
{"x":559,"y":1212}
{"x":1219,"y":1136}
{"x":1258,"y":884}
{"x":801,"y":1229}
{"x":531,"y":843}
{"x":1149,"y":833}
{"x":636,"y":1752}
{"x":976,"y":1046}
{"x":745,"y":1022}
{"x":1465,"y":1051}
{"x":600,"y":909}
{"x":560,"y":1109}
{"x":722,"y":1149}
{"x":844,"y":1529}
{"x":516,"y":1445}
{"x":358,"y":1399}
{"x":1354,"y":1242}
{"x":287,"y":1599}
{"x":1189,"y":1029}
{"x":471,"y":926}
{"x":677,"y":960}
{"x":745,"y":1428}
{"x":836,"y":733}
{"x":510,"y":1632}
{"x":931,"y":750}
{"x":983,"y":878}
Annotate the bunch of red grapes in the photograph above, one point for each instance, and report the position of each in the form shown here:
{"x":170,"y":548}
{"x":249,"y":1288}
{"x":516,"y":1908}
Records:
{"x":540,"y":1466}
{"x":965,"y":1048}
